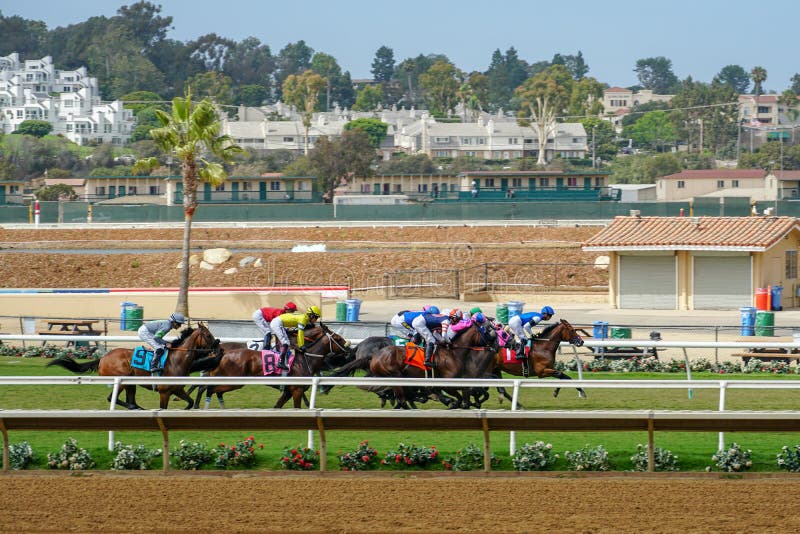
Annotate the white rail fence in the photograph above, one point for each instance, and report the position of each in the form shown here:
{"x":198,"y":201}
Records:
{"x":322,"y":420}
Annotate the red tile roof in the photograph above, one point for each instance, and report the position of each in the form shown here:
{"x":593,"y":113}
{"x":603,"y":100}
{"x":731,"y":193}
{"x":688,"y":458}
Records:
{"x":716,"y":173}
{"x":787,"y":175}
{"x":617,"y":90}
{"x":692,"y":233}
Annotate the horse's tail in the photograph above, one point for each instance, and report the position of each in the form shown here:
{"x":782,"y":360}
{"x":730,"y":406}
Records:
{"x":71,"y":365}
{"x":349,"y":369}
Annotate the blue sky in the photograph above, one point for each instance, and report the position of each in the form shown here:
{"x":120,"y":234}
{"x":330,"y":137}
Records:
{"x":699,"y":36}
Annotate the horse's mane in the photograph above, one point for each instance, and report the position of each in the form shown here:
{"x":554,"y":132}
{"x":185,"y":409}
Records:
{"x":546,"y":332}
{"x":184,"y":334}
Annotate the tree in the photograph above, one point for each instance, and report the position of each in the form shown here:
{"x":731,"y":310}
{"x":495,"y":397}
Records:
{"x":369,"y":98}
{"x":735,"y":77}
{"x":704,"y":112}
{"x":383,"y":64}
{"x":250,"y":95}
{"x":249,"y":63}
{"x":213,"y":85}
{"x":439,"y":85}
{"x":335,"y":159}
{"x":655,"y":73}
{"x":211,"y":50}
{"x":144,"y":22}
{"x":294,"y":58}
{"x":403,"y":163}
{"x":375,"y":129}
{"x":788,"y":100}
{"x":574,"y":64}
{"x":600,"y":138}
{"x":35,"y":128}
{"x":26,"y":37}
{"x":795,"y":84}
{"x":326,"y":66}
{"x":543,"y":98}
{"x":136,"y":101}
{"x":759,"y":76}
{"x":302,"y":92}
{"x":192,"y":131}
{"x":654,"y":129}
{"x":506,"y":72}
{"x":56,"y":192}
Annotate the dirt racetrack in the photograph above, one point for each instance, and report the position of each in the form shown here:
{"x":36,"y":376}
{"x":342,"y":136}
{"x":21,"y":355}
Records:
{"x":191,"y":502}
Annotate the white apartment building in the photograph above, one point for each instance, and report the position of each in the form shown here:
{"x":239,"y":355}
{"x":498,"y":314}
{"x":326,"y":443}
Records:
{"x":68,"y":99}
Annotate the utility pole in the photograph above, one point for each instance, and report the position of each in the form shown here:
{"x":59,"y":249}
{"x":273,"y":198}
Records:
{"x":594,"y":161}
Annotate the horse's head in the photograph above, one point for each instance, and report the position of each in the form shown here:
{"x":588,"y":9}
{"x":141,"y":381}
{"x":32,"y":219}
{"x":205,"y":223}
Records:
{"x":202,"y":339}
{"x":329,"y":344}
{"x":568,"y":333}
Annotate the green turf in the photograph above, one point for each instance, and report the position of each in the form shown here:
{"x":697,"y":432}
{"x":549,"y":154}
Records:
{"x":693,"y":449}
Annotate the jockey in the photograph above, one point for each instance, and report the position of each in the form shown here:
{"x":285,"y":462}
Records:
{"x":429,"y":326}
{"x":401,"y":321}
{"x":521,"y":325}
{"x":467,"y":320}
{"x":153,"y":332}
{"x":263,"y":316}
{"x":293,"y":320}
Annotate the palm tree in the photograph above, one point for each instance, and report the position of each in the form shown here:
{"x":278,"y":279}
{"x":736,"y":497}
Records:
{"x":302,"y":92}
{"x":759,"y":75}
{"x":192,"y":131}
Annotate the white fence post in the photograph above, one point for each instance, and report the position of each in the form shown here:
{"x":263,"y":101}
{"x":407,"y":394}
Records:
{"x":512,"y":440}
{"x":114,"y":397}
{"x":311,"y":405}
{"x":722,"y":389}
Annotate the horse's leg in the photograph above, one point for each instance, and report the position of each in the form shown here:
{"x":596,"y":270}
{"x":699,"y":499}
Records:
{"x":130,"y":398}
{"x":563,"y":376}
{"x":182,"y":394}
{"x":220,"y":400}
{"x":200,"y":391}
{"x":298,"y":395}
{"x":126,"y":403}
{"x":285,"y":395}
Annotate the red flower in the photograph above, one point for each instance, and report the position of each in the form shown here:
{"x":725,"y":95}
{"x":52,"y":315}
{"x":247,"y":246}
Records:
{"x":294,"y":451}
{"x":365,"y":458}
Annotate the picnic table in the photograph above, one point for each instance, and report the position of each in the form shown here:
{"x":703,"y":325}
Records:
{"x":71,"y":327}
{"x":767,"y":354}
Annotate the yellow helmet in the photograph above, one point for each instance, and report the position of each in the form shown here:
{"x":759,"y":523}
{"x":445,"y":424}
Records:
{"x":314,"y":310}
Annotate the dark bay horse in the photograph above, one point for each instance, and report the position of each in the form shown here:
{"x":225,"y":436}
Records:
{"x":193,"y":344}
{"x":469,"y":356}
{"x":323,"y":348}
{"x":542,"y":357}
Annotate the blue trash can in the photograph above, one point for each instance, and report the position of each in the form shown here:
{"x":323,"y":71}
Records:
{"x":599,"y":331}
{"x":748,"y":314}
{"x":353,"y":307}
{"x":777,"y":292}
{"x":123,"y":316}
{"x":515,"y":308}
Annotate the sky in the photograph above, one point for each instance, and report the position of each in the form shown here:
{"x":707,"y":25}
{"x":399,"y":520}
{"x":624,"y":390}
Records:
{"x":698,"y":36}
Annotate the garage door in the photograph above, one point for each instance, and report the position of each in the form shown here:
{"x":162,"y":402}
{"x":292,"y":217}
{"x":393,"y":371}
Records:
{"x":722,"y":282}
{"x":648,"y":282}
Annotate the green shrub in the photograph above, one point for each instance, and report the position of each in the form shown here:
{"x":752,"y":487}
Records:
{"x":364,"y":457}
{"x":663,"y":459}
{"x":789,"y":459}
{"x":588,"y":459}
{"x":20,"y":455}
{"x":733,"y":459}
{"x":133,"y":457}
{"x":71,"y":457}
{"x":410,"y":456}
{"x":191,"y":455}
{"x":470,"y":458}
{"x":299,"y":459}
{"x":534,"y":457}
{"x":240,"y":454}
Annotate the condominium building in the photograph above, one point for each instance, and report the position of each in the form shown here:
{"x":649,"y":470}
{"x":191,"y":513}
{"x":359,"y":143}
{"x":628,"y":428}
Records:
{"x":35,"y":89}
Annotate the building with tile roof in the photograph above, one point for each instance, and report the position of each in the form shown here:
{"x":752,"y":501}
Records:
{"x":690,"y":263}
{"x":687,"y":184}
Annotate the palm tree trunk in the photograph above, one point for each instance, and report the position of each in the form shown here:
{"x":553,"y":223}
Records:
{"x":183,"y":292}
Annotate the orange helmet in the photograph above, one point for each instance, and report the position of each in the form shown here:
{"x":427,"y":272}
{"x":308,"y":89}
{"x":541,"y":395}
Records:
{"x":455,"y":315}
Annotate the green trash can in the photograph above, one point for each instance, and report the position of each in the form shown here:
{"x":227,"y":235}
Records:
{"x":341,"y":310}
{"x":620,"y":333}
{"x":765,"y":323}
{"x":133,"y":317}
{"x":501,"y":313}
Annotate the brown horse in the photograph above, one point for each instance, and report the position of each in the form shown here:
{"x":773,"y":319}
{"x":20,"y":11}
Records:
{"x":192,"y":344}
{"x":542,"y":357}
{"x":323,"y":347}
{"x":469,"y":356}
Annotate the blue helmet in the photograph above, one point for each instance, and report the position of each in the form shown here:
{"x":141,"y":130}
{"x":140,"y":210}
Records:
{"x":547,"y":310}
{"x":433,"y":309}
{"x":479,"y":317}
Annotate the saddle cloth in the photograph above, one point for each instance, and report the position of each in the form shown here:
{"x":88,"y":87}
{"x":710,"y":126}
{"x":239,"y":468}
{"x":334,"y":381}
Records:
{"x":269,"y":362}
{"x":415,"y":355}
{"x":141,"y":358}
{"x":510,"y":355}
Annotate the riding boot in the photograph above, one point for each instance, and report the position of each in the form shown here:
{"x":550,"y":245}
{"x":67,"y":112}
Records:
{"x":283,"y":361}
{"x":155,"y":361}
{"x":267,"y":340}
{"x":429,"y":347}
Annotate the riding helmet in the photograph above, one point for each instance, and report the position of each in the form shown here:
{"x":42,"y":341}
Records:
{"x":547,"y":310}
{"x":314,"y":310}
{"x":177,"y":317}
{"x":433,"y":309}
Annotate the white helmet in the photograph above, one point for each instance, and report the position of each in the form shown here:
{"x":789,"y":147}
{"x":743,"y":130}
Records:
{"x":177,"y":317}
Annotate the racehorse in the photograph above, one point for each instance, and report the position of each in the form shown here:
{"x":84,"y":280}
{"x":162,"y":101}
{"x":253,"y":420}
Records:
{"x":542,"y":357}
{"x":469,"y":356}
{"x":183,"y":353}
{"x":322,"y":349}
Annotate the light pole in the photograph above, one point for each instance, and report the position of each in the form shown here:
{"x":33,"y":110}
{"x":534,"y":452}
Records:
{"x":593,"y":158}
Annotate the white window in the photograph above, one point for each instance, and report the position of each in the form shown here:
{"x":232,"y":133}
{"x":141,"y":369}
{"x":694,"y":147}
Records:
{"x":496,"y":154}
{"x":422,"y":188}
{"x":466,"y":141}
{"x":544,"y":182}
{"x":734,"y":183}
{"x":681,"y":184}
{"x":441,"y":139}
{"x":516,"y":182}
{"x":288,"y":139}
{"x":512,"y":140}
{"x":441,"y":153}
{"x":68,"y":103}
{"x":488,"y":182}
{"x":720,"y":183}
{"x":274,"y":186}
{"x":481,"y":140}
{"x":572,"y":181}
{"x":470,"y":153}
